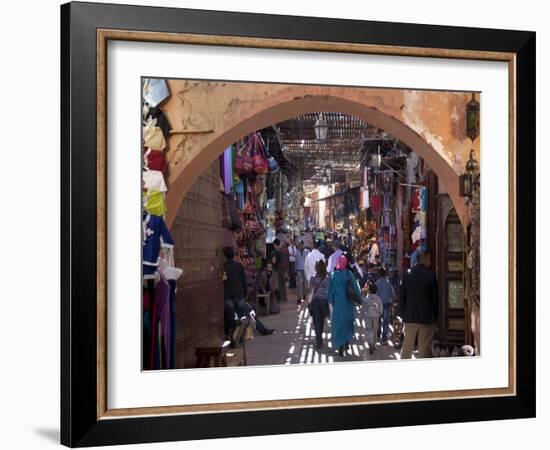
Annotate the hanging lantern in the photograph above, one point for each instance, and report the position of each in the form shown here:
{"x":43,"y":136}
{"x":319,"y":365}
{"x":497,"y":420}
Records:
{"x":469,"y":180}
{"x":376,"y":159}
{"x":472,"y":118}
{"x":321,"y":128}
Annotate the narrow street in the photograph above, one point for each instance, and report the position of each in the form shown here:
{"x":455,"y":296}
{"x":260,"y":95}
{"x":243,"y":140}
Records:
{"x":326,"y":200}
{"x":293,"y":341}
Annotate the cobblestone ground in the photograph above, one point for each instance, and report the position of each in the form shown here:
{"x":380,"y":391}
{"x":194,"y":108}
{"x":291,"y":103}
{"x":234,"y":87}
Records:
{"x":293,"y":341}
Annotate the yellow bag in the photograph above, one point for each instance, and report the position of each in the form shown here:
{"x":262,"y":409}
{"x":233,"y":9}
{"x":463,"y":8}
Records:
{"x":154,"y":203}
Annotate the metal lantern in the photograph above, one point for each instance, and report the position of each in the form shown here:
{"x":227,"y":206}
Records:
{"x":321,"y":128}
{"x":472,"y":118}
{"x":376,"y":159}
{"x":469,"y":180}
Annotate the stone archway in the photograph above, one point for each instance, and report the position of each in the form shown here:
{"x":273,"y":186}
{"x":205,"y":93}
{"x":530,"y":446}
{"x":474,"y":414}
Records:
{"x":207,"y":117}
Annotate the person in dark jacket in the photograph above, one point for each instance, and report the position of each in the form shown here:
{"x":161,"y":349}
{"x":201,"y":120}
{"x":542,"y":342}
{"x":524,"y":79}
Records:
{"x":419,"y":307}
{"x":234,"y":290}
{"x":268,"y":282}
{"x":280,"y":263}
{"x":327,"y":249}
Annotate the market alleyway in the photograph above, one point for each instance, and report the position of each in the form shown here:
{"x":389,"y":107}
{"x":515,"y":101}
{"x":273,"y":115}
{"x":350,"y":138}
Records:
{"x":294,"y":341}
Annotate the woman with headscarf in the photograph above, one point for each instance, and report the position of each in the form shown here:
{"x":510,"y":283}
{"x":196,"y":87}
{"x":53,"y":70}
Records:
{"x":343,"y":308}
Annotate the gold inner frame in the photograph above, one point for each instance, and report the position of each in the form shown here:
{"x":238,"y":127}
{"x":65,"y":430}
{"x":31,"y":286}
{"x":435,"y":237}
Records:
{"x":103,"y":36}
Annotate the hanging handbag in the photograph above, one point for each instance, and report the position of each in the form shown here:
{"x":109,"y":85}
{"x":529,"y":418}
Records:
{"x":272,"y":163}
{"x":248,"y":158}
{"x":240,"y":158}
{"x":351,"y":293}
{"x":260,"y":161}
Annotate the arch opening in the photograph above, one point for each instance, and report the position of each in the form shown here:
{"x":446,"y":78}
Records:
{"x":282,"y":111}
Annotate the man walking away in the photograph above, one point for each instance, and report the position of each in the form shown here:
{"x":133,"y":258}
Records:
{"x":311,"y":261}
{"x":278,"y":266}
{"x":419,"y":306}
{"x":386,"y":293}
{"x":299,"y":261}
{"x":327,"y":249}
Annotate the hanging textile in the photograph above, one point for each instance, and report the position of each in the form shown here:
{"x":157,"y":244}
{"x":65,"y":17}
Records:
{"x":154,"y":202}
{"x":416,"y":201}
{"x":155,"y":237}
{"x":376,"y":203}
{"x":161,"y":120}
{"x":228,"y":170}
{"x":155,"y":91}
{"x":161,"y":338}
{"x":154,"y":160}
{"x":154,"y":139}
{"x":154,"y":180}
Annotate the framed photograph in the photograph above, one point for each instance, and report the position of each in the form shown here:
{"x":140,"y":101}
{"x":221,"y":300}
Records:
{"x":278,"y":224}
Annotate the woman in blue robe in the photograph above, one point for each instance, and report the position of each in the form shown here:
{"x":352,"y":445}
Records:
{"x":343,"y":309}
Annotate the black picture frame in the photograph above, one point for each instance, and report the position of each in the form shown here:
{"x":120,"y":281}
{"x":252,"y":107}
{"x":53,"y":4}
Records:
{"x":80,"y":425}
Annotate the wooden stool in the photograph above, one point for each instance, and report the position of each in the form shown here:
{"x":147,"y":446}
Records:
{"x":209,"y":357}
{"x":267,"y":298}
{"x":233,"y":356}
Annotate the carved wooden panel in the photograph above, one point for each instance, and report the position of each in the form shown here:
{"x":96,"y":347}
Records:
{"x":450,"y":250}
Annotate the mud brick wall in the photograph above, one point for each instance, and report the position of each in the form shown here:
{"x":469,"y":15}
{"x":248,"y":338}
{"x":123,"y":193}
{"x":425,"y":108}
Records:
{"x":197,"y":234}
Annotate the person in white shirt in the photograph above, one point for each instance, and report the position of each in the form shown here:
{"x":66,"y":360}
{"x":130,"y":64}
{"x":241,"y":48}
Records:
{"x":311,"y":259}
{"x":334,"y":258}
{"x":299,"y":265}
{"x":373,"y":252}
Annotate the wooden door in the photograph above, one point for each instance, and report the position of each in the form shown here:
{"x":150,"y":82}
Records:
{"x":450,"y":275}
{"x":197,"y":234}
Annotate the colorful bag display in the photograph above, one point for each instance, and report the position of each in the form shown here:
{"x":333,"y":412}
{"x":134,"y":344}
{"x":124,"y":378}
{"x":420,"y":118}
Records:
{"x":261,"y":165}
{"x":239,"y":160}
{"x":244,"y":161}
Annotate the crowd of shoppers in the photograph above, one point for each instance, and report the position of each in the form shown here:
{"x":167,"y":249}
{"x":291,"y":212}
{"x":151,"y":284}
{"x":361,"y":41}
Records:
{"x":339,"y":290}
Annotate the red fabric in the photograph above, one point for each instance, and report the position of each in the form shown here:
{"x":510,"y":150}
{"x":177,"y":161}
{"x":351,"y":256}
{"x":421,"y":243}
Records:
{"x":156,"y":161}
{"x":376,"y":203}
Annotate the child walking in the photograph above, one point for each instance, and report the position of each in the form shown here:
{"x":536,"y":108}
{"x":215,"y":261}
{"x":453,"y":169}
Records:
{"x":373,"y":309}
